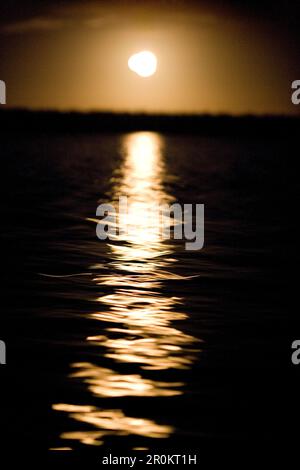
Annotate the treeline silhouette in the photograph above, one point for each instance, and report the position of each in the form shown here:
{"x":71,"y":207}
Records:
{"x":12,"y":120}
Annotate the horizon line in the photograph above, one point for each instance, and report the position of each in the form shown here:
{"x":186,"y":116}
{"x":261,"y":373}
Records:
{"x":140,"y":113}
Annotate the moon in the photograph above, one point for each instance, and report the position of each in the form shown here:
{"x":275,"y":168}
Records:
{"x":143,"y":63}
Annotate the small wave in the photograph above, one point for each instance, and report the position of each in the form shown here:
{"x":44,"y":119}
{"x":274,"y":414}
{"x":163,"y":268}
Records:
{"x":65,"y":275}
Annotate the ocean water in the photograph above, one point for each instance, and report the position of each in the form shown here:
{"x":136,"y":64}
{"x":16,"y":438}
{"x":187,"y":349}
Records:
{"x":137,"y":343}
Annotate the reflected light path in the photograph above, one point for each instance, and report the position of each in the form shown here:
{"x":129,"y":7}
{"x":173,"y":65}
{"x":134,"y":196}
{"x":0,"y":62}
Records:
{"x":136,"y":318}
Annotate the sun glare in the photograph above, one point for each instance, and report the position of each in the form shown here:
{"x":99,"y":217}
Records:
{"x":143,"y":63}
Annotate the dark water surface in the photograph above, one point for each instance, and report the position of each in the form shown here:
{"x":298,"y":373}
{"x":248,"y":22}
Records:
{"x":150,"y":346}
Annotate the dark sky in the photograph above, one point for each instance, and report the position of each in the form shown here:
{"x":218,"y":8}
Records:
{"x":213,"y":56}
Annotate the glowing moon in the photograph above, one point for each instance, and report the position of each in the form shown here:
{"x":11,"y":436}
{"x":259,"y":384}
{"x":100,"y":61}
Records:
{"x":143,"y":63}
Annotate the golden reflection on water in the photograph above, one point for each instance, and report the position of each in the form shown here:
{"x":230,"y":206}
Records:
{"x":107,"y":383}
{"x":108,"y":422}
{"x":137,"y":315}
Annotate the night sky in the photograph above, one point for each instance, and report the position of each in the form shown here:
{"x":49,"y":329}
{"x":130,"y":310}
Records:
{"x":216,"y":56}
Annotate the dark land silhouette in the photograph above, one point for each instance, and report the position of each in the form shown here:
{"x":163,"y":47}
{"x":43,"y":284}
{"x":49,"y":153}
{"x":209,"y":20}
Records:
{"x":12,"y":120}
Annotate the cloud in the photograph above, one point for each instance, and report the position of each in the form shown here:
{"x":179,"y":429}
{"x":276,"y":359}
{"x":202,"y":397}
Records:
{"x":36,"y":24}
{"x":94,"y":15}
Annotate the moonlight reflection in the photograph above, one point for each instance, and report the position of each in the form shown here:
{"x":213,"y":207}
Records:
{"x":136,"y":318}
